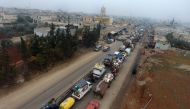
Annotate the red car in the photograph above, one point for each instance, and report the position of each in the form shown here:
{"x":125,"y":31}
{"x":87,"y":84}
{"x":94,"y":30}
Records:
{"x":93,"y":104}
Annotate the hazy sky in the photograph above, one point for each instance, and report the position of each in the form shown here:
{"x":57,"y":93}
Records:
{"x":161,"y":9}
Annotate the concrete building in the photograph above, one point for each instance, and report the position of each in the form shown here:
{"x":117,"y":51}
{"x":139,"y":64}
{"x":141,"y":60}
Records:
{"x":44,"y":18}
{"x":7,"y":18}
{"x":43,"y":31}
{"x":88,"y":19}
{"x":104,"y":20}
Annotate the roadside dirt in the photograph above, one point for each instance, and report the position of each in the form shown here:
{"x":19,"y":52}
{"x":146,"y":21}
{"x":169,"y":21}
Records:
{"x":163,"y":80}
{"x":4,"y":90}
{"x":24,"y":92}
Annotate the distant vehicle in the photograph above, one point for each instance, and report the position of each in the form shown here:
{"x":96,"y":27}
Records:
{"x":101,"y":88}
{"x":67,"y":103}
{"x":120,"y":57}
{"x":108,"y":78}
{"x":50,"y":106}
{"x":122,"y":48}
{"x":103,"y":85}
{"x":128,"y":50}
{"x":116,"y":63}
{"x":98,"y":48}
{"x":93,"y":104}
{"x":108,"y":61}
{"x":115,"y":69}
{"x":124,"y":53}
{"x":81,"y":88}
{"x":116,"y":53}
{"x":109,"y":41}
{"x":106,"y":48}
{"x":98,"y":70}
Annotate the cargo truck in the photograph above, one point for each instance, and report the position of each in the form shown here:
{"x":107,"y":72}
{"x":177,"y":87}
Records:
{"x":103,"y":85}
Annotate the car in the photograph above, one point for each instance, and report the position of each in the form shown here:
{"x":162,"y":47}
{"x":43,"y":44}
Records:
{"x":120,"y":57}
{"x":109,"y":41}
{"x":50,"y":106}
{"x":122,"y":48}
{"x":124,"y":54}
{"x":116,"y":53}
{"x":128,"y":50}
{"x":106,"y":48}
{"x":81,"y":88}
{"x":108,"y":61}
{"x":93,"y":104}
{"x":67,"y":103}
{"x":98,"y":48}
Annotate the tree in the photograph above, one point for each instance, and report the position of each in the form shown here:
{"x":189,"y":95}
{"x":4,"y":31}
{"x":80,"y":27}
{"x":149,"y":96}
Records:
{"x":25,"y":55}
{"x":7,"y":72}
{"x":178,"y":43}
{"x":35,"y":45}
{"x":6,"y":43}
{"x":51,"y":37}
{"x":20,"y":19}
{"x":52,"y":29}
{"x":24,"y":50}
{"x":90,"y":37}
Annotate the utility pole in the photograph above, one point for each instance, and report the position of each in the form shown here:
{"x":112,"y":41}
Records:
{"x":68,"y":26}
{"x":68,"y":20}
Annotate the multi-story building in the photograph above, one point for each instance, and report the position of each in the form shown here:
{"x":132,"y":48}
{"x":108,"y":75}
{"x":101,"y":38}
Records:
{"x":7,"y":18}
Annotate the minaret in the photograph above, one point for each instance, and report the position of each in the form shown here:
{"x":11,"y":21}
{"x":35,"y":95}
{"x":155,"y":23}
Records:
{"x":103,"y":12}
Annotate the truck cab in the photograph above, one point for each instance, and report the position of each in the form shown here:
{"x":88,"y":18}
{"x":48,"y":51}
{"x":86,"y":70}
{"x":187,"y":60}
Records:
{"x":98,"y":70}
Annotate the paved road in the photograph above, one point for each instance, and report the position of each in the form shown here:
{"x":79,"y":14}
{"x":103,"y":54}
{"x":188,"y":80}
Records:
{"x":34,"y":96}
{"x":59,"y":87}
{"x":112,"y":92}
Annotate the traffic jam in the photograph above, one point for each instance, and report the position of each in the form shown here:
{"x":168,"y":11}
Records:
{"x":98,"y":80}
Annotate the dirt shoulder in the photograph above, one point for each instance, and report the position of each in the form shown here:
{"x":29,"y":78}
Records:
{"x":4,"y":90}
{"x":108,"y":101}
{"x":162,"y":82}
{"x":39,"y":84}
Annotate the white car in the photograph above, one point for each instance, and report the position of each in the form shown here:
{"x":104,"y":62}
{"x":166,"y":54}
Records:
{"x":81,"y":88}
{"x":98,"y":70}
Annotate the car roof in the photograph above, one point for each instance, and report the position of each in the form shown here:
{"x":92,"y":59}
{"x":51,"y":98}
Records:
{"x":80,"y":84}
